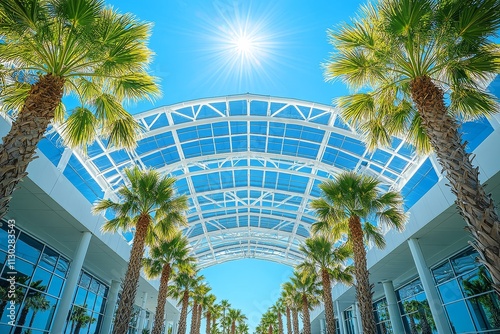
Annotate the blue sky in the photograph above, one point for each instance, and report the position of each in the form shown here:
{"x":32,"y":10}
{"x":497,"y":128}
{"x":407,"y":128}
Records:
{"x":201,"y":52}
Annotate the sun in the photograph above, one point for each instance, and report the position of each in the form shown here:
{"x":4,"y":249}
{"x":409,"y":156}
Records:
{"x":244,"y":44}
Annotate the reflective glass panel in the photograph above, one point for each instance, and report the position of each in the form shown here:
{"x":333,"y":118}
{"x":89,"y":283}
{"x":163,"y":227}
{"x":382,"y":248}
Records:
{"x":459,"y":317}
{"x":485,"y":311}
{"x":443,"y":273}
{"x":450,"y":291}
{"x":48,"y":259}
{"x":28,"y":248}
{"x":55,"y":285}
{"x":62,"y":267}
{"x":464,"y":262}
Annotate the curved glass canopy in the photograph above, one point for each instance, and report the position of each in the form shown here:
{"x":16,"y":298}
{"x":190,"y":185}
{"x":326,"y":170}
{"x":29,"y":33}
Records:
{"x":249,"y":165}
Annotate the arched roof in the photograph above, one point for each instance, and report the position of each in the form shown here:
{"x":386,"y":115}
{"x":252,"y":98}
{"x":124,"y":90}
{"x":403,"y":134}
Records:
{"x":249,"y":165}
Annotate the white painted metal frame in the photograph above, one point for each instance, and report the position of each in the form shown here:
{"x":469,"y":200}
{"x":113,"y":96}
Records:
{"x":224,"y":244}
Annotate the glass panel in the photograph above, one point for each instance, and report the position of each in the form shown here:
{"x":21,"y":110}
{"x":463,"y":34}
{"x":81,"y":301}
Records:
{"x":99,"y":304}
{"x":465,"y":261}
{"x":28,"y":248}
{"x":56,"y":286}
{"x":476,"y":282}
{"x":84,"y":281}
{"x":450,"y":291}
{"x":443,"y":273}
{"x":3,"y":258}
{"x":42,"y":309}
{"x":459,"y":317}
{"x":103,"y":290}
{"x":94,"y":286}
{"x":6,"y":308}
{"x":485,"y":311}
{"x":24,"y":271}
{"x":80,"y":296}
{"x":41,"y":279}
{"x":80,"y":320}
{"x":418,"y":316}
{"x":91,"y":297}
{"x":62,"y":267}
{"x":49,"y":259}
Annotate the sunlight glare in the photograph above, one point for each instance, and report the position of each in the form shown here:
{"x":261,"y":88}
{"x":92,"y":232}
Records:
{"x":244,"y":44}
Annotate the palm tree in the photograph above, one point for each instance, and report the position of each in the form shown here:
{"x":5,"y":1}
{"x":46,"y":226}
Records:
{"x":410,"y":58}
{"x":198,"y":293}
{"x":32,"y":294}
{"x":269,"y":320}
{"x":235,"y":315}
{"x":149,"y":204}
{"x":166,"y":255}
{"x":292,"y":301}
{"x":216,"y":313}
{"x":37,"y":303}
{"x":327,"y":262}
{"x":80,"y":318}
{"x":210,"y":310}
{"x":346,"y":204}
{"x":278,"y":308}
{"x":51,"y":46}
{"x":242,"y":328}
{"x":306,"y":285}
{"x":184,"y":282}
{"x":487,"y":301}
{"x":225,"y":305}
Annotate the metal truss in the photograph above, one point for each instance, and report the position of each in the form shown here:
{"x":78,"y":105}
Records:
{"x":232,"y":218}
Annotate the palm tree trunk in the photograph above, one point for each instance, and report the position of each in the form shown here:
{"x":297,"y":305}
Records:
{"x":363,"y":288}
{"x":77,"y":328}
{"x":477,"y":208}
{"x":214,"y":323}
{"x":19,"y":145}
{"x":270,"y":329}
{"x":280,"y":324}
{"x":306,"y":319}
{"x":183,"y":316}
{"x":21,"y":321}
{"x":124,"y":312}
{"x":233,"y":327}
{"x":288,"y":321}
{"x":327,"y":298}
{"x":198,"y":320}
{"x":209,"y":322}
{"x":32,"y":319}
{"x":295,"y":317}
{"x":194,"y":317}
{"x":162,"y":298}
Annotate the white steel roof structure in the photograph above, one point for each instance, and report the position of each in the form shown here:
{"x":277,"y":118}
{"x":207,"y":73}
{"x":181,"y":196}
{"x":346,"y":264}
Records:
{"x":249,"y":165}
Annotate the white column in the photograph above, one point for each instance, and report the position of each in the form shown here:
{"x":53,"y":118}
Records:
{"x":70,"y":285}
{"x":142,"y":314}
{"x":359,"y":323}
{"x":355,"y":316}
{"x":431,"y":292}
{"x":392,"y":307}
{"x":109,"y":310}
{"x":340,"y":316}
{"x":151,"y":321}
{"x":322,"y":326}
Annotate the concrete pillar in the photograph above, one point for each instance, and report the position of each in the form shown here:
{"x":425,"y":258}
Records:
{"x":70,"y":286}
{"x":142,"y":314}
{"x":430,"y":289}
{"x":322,"y":329}
{"x":109,"y":309}
{"x":355,"y":316}
{"x":151,"y":321}
{"x":392,"y":307}
{"x":340,"y":315}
